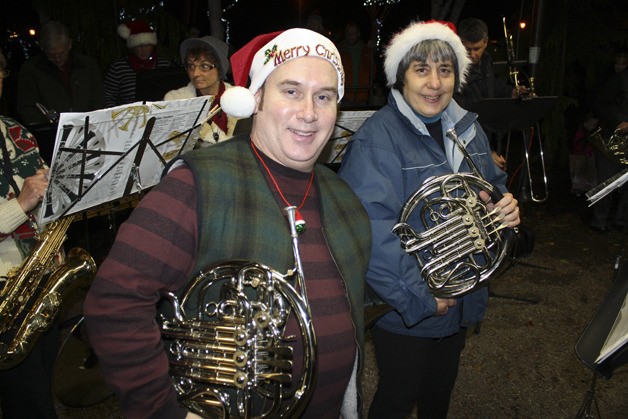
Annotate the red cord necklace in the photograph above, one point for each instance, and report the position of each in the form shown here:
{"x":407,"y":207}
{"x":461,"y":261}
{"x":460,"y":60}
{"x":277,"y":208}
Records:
{"x":299,"y":222}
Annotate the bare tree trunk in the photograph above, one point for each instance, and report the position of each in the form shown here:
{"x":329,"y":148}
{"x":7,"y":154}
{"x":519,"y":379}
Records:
{"x":214,"y":9}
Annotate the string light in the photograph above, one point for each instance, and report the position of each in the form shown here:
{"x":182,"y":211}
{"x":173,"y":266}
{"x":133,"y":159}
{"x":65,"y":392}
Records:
{"x":380,"y":2}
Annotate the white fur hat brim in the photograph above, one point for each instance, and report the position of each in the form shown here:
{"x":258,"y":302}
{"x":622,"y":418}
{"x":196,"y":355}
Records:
{"x":416,"y":32}
{"x":263,"y":54}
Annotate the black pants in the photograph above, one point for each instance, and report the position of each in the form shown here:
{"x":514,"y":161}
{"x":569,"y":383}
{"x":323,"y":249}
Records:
{"x":414,"y":371}
{"x":26,"y":389}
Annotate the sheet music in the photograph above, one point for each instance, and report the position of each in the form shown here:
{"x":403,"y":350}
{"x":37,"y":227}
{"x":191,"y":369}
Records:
{"x":607,"y":187}
{"x":347,"y":124}
{"x":95,"y":152}
{"x":618,"y":335}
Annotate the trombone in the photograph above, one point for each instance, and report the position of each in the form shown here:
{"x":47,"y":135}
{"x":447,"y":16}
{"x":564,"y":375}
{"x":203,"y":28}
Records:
{"x":534,"y":131}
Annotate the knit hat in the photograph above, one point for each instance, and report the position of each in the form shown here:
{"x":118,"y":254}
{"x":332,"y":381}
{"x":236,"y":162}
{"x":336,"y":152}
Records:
{"x":417,"y":32}
{"x":137,"y":32}
{"x":263,"y":54}
{"x":219,"y":49}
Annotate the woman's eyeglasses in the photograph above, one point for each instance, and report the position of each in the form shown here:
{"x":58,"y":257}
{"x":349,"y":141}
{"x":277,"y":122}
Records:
{"x":203,"y":67}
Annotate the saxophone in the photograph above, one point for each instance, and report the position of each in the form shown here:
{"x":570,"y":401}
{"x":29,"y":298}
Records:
{"x":23,"y":325}
{"x":229,"y":356}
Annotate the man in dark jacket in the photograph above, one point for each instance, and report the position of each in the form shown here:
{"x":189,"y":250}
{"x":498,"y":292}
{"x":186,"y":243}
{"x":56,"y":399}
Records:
{"x":481,"y":80}
{"x":61,"y":80}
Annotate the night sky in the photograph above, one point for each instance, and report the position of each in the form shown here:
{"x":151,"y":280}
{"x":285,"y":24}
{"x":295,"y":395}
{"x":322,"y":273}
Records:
{"x":248,"y":18}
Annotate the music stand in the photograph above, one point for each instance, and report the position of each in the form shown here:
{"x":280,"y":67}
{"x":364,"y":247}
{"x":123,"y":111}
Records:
{"x":509,"y":114}
{"x":109,"y":154}
{"x":347,"y":124}
{"x":520,"y":114}
{"x":153,"y":85}
{"x":603,"y":346}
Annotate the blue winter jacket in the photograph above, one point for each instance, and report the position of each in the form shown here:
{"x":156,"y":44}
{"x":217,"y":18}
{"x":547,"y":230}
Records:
{"x":389,"y":157}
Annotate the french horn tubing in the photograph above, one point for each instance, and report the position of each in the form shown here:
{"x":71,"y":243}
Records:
{"x":229,"y":355}
{"x":463,"y":243}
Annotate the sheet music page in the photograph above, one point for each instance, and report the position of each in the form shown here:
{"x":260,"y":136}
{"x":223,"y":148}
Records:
{"x":93,"y":162}
{"x":618,"y":335}
{"x":607,"y":187}
{"x":347,"y":124}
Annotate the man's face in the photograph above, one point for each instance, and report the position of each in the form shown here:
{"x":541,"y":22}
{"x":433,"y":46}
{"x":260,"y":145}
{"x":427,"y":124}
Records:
{"x":475,"y":49}
{"x":352,"y":34}
{"x":428,"y":87}
{"x":58,"y":51}
{"x":620,"y":64}
{"x":296,"y":112}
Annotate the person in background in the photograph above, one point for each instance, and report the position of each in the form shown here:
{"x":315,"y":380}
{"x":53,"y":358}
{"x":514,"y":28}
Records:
{"x":61,"y":79}
{"x":207,"y":64}
{"x":481,"y":81}
{"x":226,"y":202}
{"x":26,"y":388}
{"x":418,"y":344}
{"x":121,"y":75}
{"x":610,"y":107}
{"x":358,"y":59}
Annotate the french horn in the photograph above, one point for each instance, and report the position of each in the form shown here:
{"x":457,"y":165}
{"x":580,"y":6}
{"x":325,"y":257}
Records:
{"x":615,"y":148}
{"x":464,"y":243}
{"x":229,"y":355}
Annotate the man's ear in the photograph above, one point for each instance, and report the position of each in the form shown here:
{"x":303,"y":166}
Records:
{"x":259,"y":100}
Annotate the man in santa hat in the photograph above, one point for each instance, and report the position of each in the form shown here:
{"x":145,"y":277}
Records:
{"x":229,"y":202}
{"x":120,"y":78}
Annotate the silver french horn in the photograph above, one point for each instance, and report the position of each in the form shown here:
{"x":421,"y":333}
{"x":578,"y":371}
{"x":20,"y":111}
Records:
{"x":463,"y":243}
{"x":229,"y":356}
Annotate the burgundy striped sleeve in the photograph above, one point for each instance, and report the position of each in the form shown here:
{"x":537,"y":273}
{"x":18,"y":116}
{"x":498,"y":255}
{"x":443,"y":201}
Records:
{"x":153,"y":250}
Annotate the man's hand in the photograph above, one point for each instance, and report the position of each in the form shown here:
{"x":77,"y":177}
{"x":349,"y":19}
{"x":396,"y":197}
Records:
{"x":33,"y":190}
{"x":443,"y":304}
{"x":622,"y":127}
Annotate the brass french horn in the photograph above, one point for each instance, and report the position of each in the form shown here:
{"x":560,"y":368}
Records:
{"x":229,"y":355}
{"x":463,"y":243}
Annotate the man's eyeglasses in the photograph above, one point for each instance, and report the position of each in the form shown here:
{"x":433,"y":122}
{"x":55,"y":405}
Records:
{"x":203,"y":67}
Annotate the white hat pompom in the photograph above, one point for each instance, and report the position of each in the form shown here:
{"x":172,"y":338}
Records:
{"x":238,"y":102}
{"x":124,"y":31}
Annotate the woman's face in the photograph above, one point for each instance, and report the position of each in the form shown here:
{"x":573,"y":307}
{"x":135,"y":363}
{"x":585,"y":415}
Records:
{"x":428,"y":87}
{"x":203,"y":74}
{"x":144,"y":51}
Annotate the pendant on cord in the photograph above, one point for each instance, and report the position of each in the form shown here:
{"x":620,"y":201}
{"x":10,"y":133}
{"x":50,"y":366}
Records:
{"x":299,"y":223}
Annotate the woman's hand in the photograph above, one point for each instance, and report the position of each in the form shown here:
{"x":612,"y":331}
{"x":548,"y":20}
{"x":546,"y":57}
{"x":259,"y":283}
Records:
{"x":508,"y":208}
{"x":443,"y":304}
{"x":33,"y":190}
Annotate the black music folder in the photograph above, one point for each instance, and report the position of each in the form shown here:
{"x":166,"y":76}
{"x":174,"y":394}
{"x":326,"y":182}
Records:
{"x":603,"y":345}
{"x":507,"y":114}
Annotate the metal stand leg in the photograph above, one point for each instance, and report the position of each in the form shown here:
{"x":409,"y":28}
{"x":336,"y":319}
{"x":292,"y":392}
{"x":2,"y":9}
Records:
{"x":589,"y":401}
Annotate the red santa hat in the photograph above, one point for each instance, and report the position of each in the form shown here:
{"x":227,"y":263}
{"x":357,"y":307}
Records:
{"x":263,"y":54}
{"x":137,"y":32}
{"x":416,"y":32}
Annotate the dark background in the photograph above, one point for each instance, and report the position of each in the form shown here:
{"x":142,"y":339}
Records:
{"x":577,"y":37}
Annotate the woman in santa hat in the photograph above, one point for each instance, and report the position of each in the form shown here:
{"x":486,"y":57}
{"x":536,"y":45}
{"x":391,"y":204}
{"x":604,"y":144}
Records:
{"x":418,"y":343}
{"x":120,"y":78}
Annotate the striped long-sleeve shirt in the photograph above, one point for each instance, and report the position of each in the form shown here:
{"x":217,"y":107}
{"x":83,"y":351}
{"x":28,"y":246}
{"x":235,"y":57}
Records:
{"x":120,"y":82}
{"x":156,"y":249}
